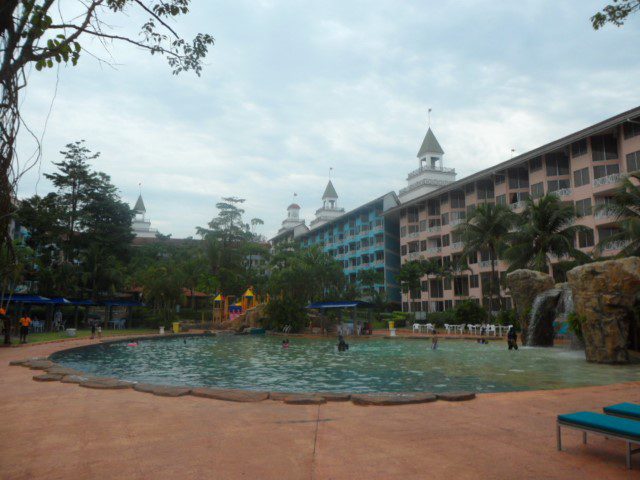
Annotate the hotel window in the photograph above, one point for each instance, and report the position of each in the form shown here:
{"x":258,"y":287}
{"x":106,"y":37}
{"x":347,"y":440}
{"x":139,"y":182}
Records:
{"x":434,"y":222}
{"x":433,"y":207}
{"x":501,"y":200}
{"x":633,"y":161}
{"x":403,"y":232}
{"x":518,"y":178}
{"x":458,"y":216}
{"x":581,"y":177}
{"x":579,"y":148}
{"x":413,"y":229}
{"x":604,"y":147}
{"x":631,"y":128}
{"x":485,"y":190}
{"x":555,"y":185}
{"x":474,"y":281}
{"x":448,"y":304}
{"x":604,"y":233}
{"x":499,"y":179}
{"x":425,"y":306}
{"x":436,"y":288}
{"x":423,"y":225}
{"x":518,"y":197}
{"x":445,"y":219}
{"x":535,"y":164}
{"x":423,"y":245}
{"x":472,"y":258}
{"x":469,"y":188}
{"x":457,"y":199}
{"x":585,"y":239}
{"x":414,"y":247}
{"x":470,"y":210}
{"x":583,"y":207}
{"x":403,"y":213}
{"x":461,"y":286}
{"x":557,"y":164}
{"x":403,"y":250}
{"x":424,"y":285}
{"x":537,"y":190}
{"x":445,"y":240}
{"x":412,"y":214}
{"x":605,"y":170}
{"x":444,"y":199}
{"x":447,"y":283}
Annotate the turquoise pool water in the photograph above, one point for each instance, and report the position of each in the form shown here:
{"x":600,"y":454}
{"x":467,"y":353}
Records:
{"x":370,"y":365}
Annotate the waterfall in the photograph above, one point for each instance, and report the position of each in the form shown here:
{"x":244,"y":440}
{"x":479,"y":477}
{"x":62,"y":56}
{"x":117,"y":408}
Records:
{"x":549,"y":306}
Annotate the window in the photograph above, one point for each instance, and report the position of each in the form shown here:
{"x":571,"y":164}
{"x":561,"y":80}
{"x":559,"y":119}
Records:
{"x":555,"y":185}
{"x":403,"y":232}
{"x":423,"y":225}
{"x":606,"y":232}
{"x":557,"y":164}
{"x":445,"y":240}
{"x":499,"y":179}
{"x":436,"y":288}
{"x":412,"y":214}
{"x":423,"y":245}
{"x":474,"y":281}
{"x":470,"y":210}
{"x":412,"y":229}
{"x":469,"y":188}
{"x":457,"y":199}
{"x":447,"y":283}
{"x":501,"y":200}
{"x":631,"y":128}
{"x":444,"y":199}
{"x":516,"y":197}
{"x":579,"y":148}
{"x":535,"y":164}
{"x":424,"y":285}
{"x":448,"y":305}
{"x":581,"y":177}
{"x":458,"y":216}
{"x":518,"y":178}
{"x":403,"y":250}
{"x":604,"y":147}
{"x":605,"y":170}
{"x":633,"y":161}
{"x":472,"y":258}
{"x":585,"y":239}
{"x":414,"y":247}
{"x":583,"y":207}
{"x":537,"y":190}
{"x":461,"y":286}
{"x":445,"y":219}
{"x":485,"y":190}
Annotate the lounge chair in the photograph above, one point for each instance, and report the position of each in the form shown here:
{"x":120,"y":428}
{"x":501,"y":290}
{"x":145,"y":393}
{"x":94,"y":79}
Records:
{"x":599,"y":424}
{"x":625,"y":410}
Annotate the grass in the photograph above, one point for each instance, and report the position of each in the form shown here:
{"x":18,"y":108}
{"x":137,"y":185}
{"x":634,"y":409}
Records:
{"x":34,"y":338}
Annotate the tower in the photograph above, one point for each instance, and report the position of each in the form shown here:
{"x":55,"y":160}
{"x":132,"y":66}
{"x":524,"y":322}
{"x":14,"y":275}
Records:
{"x":140,"y":226}
{"x":330,"y":209}
{"x":431,"y":173}
{"x":293,"y":218}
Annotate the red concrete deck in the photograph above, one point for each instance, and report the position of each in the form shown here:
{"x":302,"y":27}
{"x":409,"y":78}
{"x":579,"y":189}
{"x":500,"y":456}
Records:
{"x":61,"y":431}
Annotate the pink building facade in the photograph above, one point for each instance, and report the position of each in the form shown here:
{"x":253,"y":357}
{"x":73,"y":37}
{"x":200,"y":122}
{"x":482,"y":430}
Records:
{"x":583,"y":169}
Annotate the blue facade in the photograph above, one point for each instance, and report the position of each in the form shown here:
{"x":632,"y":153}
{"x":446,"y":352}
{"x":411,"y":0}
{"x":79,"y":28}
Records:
{"x":363,"y":239}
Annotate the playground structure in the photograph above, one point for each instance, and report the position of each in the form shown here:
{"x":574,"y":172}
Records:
{"x":227,"y":308}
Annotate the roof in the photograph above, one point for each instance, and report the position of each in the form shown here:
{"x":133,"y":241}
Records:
{"x":516,"y":161}
{"x":430,"y":145}
{"x":345,"y":304}
{"x":330,"y":192}
{"x":293,"y":205}
{"x":139,"y":206}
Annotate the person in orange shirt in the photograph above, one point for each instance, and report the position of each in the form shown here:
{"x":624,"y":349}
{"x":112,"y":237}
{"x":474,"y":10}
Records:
{"x":24,"y":321}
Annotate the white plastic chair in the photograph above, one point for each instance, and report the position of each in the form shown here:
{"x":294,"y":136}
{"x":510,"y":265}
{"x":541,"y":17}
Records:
{"x":416,"y":327}
{"x":472,"y":329}
{"x":448,"y":327}
{"x":460,"y":329}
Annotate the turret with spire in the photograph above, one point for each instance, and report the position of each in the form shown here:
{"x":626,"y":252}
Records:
{"x":330,"y":209}
{"x":293,"y":217}
{"x":431,"y":173}
{"x":140,"y":226}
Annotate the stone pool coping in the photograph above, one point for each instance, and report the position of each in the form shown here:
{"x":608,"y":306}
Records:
{"x":56,"y":372}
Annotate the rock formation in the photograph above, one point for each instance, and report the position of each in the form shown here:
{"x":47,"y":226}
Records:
{"x":525,"y":286}
{"x":605,"y":295}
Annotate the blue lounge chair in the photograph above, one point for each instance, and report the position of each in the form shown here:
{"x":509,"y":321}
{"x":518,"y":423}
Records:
{"x":625,"y":410}
{"x":606,"y":425}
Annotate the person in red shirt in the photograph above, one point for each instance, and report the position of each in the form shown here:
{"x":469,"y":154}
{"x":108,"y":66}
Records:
{"x":24,"y":321}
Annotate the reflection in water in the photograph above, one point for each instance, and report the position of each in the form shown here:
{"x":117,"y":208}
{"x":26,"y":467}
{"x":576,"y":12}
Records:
{"x":370,"y":365}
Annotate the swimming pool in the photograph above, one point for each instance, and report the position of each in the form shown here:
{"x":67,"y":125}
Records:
{"x":315,"y":365}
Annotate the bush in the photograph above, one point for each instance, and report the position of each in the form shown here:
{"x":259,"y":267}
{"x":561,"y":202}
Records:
{"x":575,"y":324}
{"x":440,"y":318}
{"x":470,"y":312}
{"x":282,"y":312}
{"x":507,"y":317}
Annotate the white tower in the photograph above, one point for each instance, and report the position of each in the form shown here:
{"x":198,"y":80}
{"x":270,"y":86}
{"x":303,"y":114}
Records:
{"x":330,"y":209}
{"x":293,"y":218}
{"x":430,"y":174}
{"x":140,"y":226}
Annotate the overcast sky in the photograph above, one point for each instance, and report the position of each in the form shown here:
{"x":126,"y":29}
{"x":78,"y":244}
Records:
{"x":293,"y":88}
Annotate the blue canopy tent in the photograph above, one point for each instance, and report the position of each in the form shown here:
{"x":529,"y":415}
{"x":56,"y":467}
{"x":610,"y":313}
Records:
{"x":354,"y":327}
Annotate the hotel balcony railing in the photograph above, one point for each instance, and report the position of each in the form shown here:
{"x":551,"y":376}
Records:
{"x":435,"y":228}
{"x":457,"y":246}
{"x":429,"y":168}
{"x":517,"y":205}
{"x":616,"y":245}
{"x":413,"y":255}
{"x":609,"y":179}
{"x":427,"y":181}
{"x":563,"y":192}
{"x":456,"y":221}
{"x":600,"y":214}
{"x":413,"y":234}
{"x":379,"y":262}
{"x":486,"y":264}
{"x":434,"y":249}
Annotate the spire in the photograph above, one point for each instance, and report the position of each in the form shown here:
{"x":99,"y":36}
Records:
{"x":329,"y":192}
{"x":139,"y":206}
{"x":430,"y":145}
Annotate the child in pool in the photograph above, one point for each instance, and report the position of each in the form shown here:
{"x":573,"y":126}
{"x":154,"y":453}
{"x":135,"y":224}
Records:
{"x":285,"y":343}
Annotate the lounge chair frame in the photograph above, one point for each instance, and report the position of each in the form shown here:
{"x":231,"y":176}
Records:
{"x":627,"y":439}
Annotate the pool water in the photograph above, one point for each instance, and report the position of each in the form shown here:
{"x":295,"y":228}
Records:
{"x":370,"y":365}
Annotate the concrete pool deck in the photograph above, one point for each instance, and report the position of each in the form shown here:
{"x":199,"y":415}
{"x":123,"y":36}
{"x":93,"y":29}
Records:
{"x":53,"y":430}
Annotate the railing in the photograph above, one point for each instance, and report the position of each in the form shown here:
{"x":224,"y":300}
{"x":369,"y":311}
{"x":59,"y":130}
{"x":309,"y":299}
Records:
{"x":600,"y":214}
{"x":456,"y":221}
{"x":434,"y":249}
{"x":435,"y":228}
{"x":486,"y":264}
{"x":413,"y":234}
{"x":457,"y":246}
{"x":517,"y":205}
{"x":613,"y":178}
{"x":563,"y":192}
{"x":414,"y":255}
{"x":429,"y":168}
{"x":426,"y":181}
{"x":379,"y":262}
{"x":616,"y":245}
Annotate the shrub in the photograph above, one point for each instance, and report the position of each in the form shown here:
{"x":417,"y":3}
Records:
{"x":507,"y":317}
{"x":282,"y":312}
{"x":440,"y":318}
{"x":469,"y":312}
{"x":575,"y":324}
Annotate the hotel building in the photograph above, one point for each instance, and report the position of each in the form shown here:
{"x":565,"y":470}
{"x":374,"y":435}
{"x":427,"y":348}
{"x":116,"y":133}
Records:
{"x":583,"y":169}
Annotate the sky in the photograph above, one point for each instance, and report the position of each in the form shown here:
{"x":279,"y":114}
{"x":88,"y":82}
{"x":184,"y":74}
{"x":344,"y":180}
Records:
{"x":292,"y":89}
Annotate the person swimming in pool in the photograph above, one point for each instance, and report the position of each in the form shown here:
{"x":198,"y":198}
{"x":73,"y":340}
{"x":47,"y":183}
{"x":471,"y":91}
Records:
{"x":342,"y":345}
{"x":285,"y":343}
{"x":434,"y":339}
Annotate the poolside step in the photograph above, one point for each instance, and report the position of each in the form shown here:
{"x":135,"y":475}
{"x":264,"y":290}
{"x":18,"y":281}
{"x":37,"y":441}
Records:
{"x":392,"y":398}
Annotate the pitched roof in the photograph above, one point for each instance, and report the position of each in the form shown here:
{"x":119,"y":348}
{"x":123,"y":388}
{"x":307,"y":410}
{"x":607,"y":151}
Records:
{"x":330,"y":192}
{"x":430,"y":145}
{"x":139,"y":206}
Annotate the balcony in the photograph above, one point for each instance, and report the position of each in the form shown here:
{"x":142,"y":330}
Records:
{"x":414,"y":256}
{"x":427,"y":181}
{"x":563,"y":192}
{"x":517,"y":205}
{"x":457,"y":246}
{"x":379,"y":262}
{"x":604,"y":214}
{"x":435,"y":228}
{"x":616,"y":245}
{"x":456,"y":221}
{"x":413,"y":235}
{"x":434,"y":250}
{"x":608,"y":180}
{"x":486,"y":264}
{"x":429,"y":168}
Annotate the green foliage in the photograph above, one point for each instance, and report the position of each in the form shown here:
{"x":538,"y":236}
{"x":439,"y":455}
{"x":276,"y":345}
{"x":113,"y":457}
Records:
{"x":615,"y":13}
{"x":507,"y":317}
{"x":575,"y":324}
{"x":285,"y":311}
{"x":469,"y":311}
{"x":440,"y":318}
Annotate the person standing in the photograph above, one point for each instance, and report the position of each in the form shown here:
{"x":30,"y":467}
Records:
{"x":512,"y":339}
{"x":24,"y":321}
{"x":57,"y":320}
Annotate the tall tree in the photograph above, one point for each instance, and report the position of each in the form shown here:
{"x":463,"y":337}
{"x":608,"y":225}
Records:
{"x":545,"y":228}
{"x":615,"y":13}
{"x":487,"y":228}
{"x":409,"y":277}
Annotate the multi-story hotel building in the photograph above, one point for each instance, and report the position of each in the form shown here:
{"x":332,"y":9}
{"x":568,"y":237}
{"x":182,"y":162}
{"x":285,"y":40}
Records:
{"x":361,"y":239}
{"x":583,"y":169}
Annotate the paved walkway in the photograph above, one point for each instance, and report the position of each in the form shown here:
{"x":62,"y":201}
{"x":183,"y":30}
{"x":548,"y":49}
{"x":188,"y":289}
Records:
{"x":61,"y":431}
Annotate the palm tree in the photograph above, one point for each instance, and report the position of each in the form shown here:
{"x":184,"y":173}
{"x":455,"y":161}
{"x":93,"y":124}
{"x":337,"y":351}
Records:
{"x":487,"y":228}
{"x":545,"y":228}
{"x":626,"y":208}
{"x":409,"y":277}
